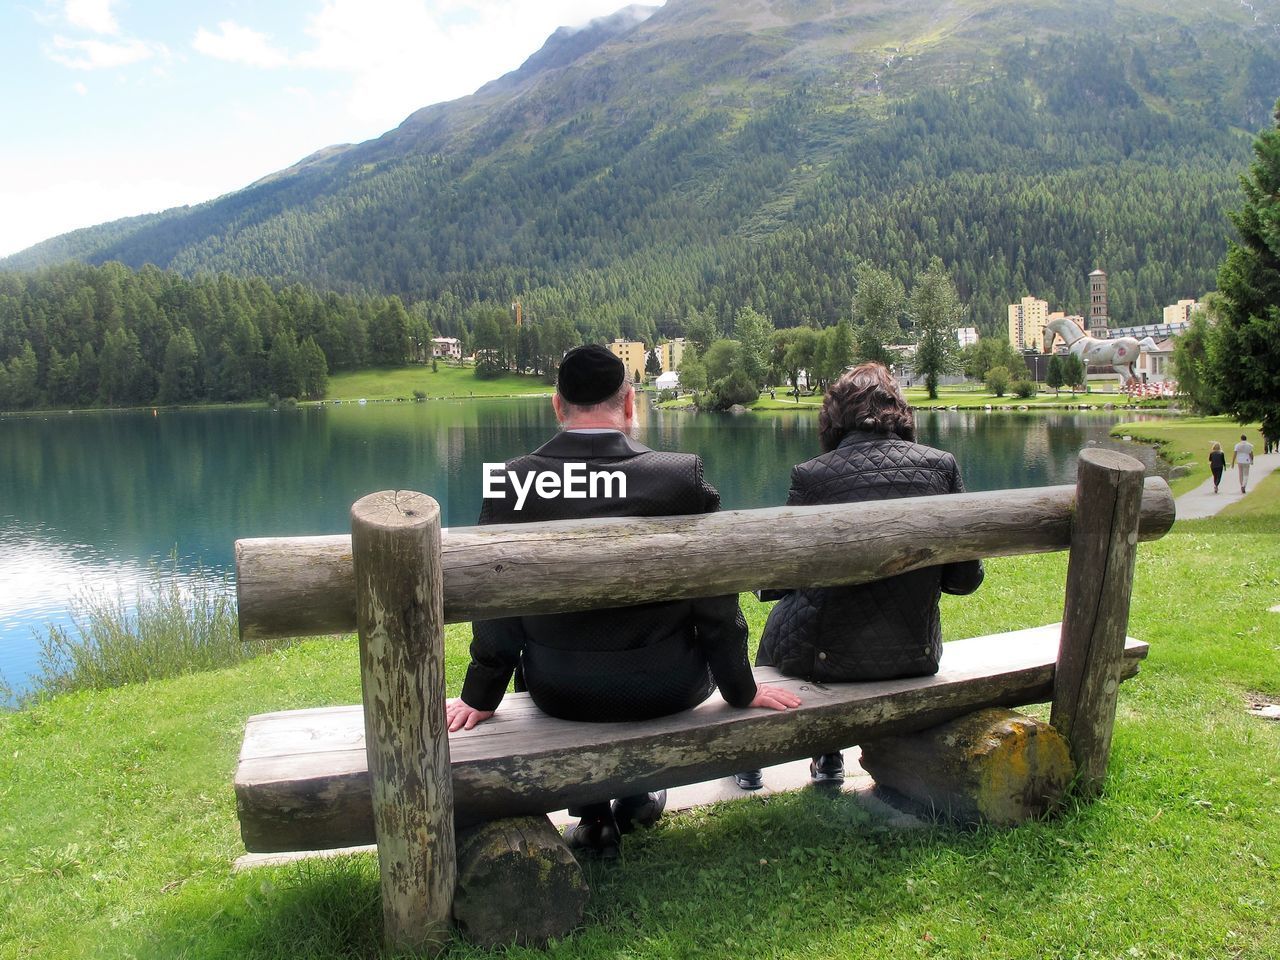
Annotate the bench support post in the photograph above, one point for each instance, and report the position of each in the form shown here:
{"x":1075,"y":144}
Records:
{"x":1104,"y":538}
{"x":395,"y":545}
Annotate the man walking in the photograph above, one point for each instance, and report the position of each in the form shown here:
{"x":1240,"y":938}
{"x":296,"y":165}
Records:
{"x":620,"y":664}
{"x":1242,"y":458}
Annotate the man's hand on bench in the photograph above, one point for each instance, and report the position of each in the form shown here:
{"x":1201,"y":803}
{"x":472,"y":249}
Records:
{"x":463,"y":717}
{"x":774,"y":698}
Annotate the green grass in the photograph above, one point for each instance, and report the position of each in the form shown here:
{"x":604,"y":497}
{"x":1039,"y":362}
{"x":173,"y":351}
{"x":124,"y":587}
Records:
{"x":399,"y":383}
{"x":967,"y":397}
{"x":1185,"y":441}
{"x":118,"y":827}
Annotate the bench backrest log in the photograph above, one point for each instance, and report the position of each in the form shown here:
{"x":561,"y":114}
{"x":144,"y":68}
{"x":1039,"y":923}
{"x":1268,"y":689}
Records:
{"x":398,"y":579}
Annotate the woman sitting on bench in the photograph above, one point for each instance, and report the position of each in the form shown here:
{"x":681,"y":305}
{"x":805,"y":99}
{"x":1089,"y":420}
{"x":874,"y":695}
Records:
{"x":872,"y":631}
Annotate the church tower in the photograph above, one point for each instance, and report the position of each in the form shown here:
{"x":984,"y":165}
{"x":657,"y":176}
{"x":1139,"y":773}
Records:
{"x":1099,"y":323}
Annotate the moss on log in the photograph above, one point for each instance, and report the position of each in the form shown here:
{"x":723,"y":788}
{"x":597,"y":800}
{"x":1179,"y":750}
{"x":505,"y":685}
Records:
{"x":994,"y":766}
{"x":518,"y":883}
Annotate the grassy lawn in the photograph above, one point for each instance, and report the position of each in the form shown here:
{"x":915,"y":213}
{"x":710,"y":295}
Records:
{"x":969,"y":397}
{"x":1185,"y":441}
{"x":118,"y":827}
{"x":449,"y":381}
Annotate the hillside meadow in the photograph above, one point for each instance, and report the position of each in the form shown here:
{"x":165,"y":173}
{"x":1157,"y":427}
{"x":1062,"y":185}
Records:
{"x":119,"y":826}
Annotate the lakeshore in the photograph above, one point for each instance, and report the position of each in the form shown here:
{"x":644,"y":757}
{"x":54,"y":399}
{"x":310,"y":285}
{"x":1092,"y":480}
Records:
{"x":121,"y":827}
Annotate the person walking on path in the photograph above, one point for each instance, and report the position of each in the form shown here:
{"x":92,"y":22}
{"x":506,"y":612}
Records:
{"x":1217,"y":463}
{"x":1242,"y":458}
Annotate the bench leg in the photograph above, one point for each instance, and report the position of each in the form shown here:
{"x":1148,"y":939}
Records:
{"x":518,"y":882}
{"x":992,"y":766}
{"x":395,"y":546}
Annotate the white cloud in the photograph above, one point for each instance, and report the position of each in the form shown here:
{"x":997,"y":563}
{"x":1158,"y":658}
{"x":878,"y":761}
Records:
{"x":405,"y":54}
{"x":98,"y":54}
{"x":239,"y":45}
{"x":80,"y":88}
{"x":92,"y":15}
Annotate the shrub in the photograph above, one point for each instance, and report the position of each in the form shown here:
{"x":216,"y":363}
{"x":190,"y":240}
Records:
{"x":667,"y":394}
{"x":737,"y":387}
{"x":1024,"y":389}
{"x":997,"y":380}
{"x":175,"y":625}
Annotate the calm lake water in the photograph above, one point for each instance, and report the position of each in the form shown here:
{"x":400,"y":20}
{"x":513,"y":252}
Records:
{"x":92,"y":502}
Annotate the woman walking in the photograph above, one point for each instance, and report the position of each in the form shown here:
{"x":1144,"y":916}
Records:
{"x":1217,"y":463}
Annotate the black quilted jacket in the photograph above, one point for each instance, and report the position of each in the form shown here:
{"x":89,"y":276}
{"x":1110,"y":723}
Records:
{"x":872,"y":631}
{"x":627,"y":663}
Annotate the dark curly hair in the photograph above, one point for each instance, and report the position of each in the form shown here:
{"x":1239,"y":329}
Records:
{"x":865,"y":398}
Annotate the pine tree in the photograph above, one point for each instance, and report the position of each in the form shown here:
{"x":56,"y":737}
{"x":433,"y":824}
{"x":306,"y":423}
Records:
{"x":936,"y":311}
{"x":1244,"y":345}
{"x":877,"y":309}
{"x":1055,"y":376}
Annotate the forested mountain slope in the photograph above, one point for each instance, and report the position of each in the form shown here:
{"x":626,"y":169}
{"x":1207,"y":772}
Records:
{"x":713,"y":154}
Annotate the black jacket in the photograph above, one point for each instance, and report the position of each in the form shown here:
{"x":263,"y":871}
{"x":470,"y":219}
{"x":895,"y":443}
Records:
{"x":624,"y":663}
{"x":871,"y":631}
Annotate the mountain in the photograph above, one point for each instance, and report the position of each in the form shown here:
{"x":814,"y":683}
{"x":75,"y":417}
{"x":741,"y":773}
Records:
{"x":711,"y":154}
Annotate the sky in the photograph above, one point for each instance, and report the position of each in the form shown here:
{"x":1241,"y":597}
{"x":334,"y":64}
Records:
{"x":112,"y":108}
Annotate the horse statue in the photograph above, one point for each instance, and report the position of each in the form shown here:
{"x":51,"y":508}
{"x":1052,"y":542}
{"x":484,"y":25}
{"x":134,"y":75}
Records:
{"x":1121,"y":354}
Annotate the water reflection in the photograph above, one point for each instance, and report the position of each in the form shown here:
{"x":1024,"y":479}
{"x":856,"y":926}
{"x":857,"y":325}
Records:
{"x":95,"y":500}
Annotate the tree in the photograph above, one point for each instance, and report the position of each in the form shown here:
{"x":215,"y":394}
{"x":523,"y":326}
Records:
{"x":389,"y":335}
{"x":794,"y":352}
{"x":1244,"y":345}
{"x":314,"y":369}
{"x":652,"y":365}
{"x":487,"y":339}
{"x":1075,"y":372}
{"x":1056,"y":375}
{"x":936,"y":311}
{"x":23,"y":376}
{"x":1191,"y":360}
{"x":285,"y":367}
{"x":693,"y":373}
{"x":977,"y":358}
{"x":754,"y":331}
{"x":998,"y":380}
{"x":877,"y":308}
{"x":722,"y":357}
{"x":179,"y":379}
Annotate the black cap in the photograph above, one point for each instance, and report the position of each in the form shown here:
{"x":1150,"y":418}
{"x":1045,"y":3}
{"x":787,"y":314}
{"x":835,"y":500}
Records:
{"x":589,"y":374}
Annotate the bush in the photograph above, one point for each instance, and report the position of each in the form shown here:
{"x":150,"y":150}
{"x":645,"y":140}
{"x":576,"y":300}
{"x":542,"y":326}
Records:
{"x":997,"y":380}
{"x":176,"y":625}
{"x":1024,"y":389}
{"x":737,"y":387}
{"x":667,"y":394}
{"x":419,"y":395}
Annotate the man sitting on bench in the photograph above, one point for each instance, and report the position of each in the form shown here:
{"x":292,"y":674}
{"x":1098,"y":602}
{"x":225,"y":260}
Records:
{"x":620,"y":664}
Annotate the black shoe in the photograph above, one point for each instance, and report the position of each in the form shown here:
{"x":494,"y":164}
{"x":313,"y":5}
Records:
{"x":827,"y":769}
{"x":749,"y":780}
{"x":595,"y":837}
{"x":641,"y":811}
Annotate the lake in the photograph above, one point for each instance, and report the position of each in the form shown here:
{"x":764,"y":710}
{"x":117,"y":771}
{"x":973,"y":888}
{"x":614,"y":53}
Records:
{"x":92,"y":502}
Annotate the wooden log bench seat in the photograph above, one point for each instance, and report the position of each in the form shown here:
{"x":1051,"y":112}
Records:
{"x":386,"y":771}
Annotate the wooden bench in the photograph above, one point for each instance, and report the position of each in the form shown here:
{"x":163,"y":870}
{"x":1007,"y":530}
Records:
{"x":387,"y":771}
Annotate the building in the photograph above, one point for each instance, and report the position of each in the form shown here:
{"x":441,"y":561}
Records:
{"x":632,"y":354}
{"x":1156,"y":366}
{"x":667,"y":381}
{"x":967,"y":336}
{"x":450,"y":347}
{"x":1099,"y":321}
{"x":1180,"y":312}
{"x":1026,"y":323}
{"x":671,"y":354}
{"x":1156,"y":331}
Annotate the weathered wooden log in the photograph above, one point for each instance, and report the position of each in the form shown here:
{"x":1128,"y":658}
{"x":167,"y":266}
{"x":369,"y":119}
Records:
{"x":994,"y":766}
{"x":302,"y":585}
{"x":302,"y":781}
{"x":1104,"y":538}
{"x":395,"y":541}
{"x":518,"y":883}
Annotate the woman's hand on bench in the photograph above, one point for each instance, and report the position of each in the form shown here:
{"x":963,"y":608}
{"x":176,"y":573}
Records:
{"x":463,"y":717}
{"x":774,"y":698}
